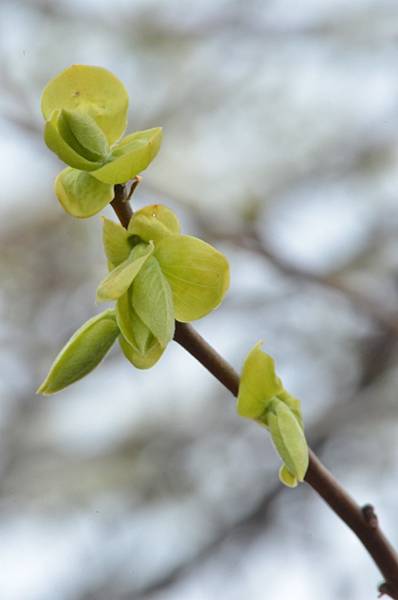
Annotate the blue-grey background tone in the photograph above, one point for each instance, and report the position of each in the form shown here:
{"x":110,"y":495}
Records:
{"x":280,"y":147}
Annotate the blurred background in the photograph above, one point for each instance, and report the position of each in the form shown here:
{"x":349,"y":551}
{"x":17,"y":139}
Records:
{"x":280,"y":148}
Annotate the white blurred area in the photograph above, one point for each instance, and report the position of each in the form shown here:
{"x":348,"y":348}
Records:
{"x":280,"y":147}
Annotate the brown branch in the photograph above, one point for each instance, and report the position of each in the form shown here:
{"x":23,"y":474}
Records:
{"x":250,"y":523}
{"x":121,"y":205}
{"x":362,"y":521}
{"x":365,"y":304}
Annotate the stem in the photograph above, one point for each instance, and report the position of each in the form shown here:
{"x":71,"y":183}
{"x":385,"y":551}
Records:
{"x":361,"y":520}
{"x":192,"y":341}
{"x":121,"y":205}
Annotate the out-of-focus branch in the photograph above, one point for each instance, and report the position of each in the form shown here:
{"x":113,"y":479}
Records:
{"x":360,"y":300}
{"x":251,"y":240}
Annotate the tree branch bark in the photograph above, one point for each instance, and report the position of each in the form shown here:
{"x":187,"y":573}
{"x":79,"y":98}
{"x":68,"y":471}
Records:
{"x":361,"y":520}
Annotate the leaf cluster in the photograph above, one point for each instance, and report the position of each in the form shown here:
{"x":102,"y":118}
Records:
{"x":156,"y":275}
{"x":85,"y":109}
{"x":263,"y":398}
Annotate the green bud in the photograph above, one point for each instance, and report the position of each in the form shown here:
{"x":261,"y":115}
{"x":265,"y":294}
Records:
{"x":59,"y":140}
{"x":84,"y":351}
{"x":288,"y":437}
{"x":82,"y":133}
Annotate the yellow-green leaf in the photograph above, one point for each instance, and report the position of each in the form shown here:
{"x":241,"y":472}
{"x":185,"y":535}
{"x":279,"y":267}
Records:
{"x":131,"y":156}
{"x":258,"y":384}
{"x":84,"y":351}
{"x":131,"y":327}
{"x":288,"y":438}
{"x":93,"y":90}
{"x":198,"y":275}
{"x":83,"y":135}
{"x":80,"y":194}
{"x":153,"y":302}
{"x":154,"y":222}
{"x":287,"y":478}
{"x":122,"y":276}
{"x":61,"y":147}
{"x":141,"y":361}
{"x":116,"y":242}
{"x":293,"y":403}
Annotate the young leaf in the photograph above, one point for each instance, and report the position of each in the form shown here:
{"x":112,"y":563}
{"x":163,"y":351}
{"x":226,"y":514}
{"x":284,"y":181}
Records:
{"x":153,"y":302}
{"x":92,"y":90}
{"x":80,"y":194}
{"x":288,"y":438}
{"x":259,"y":384}
{"x":198,"y":275}
{"x":141,"y":361}
{"x":131,"y":327}
{"x":83,"y":135}
{"x":61,"y":147}
{"x":116,"y":242}
{"x":120,"y":279}
{"x":293,"y":403}
{"x":84,"y":351}
{"x":287,"y":478}
{"x":131,"y":156}
{"x":154,"y":223}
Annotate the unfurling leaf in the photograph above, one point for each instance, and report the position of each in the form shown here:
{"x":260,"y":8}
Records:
{"x":82,"y":133}
{"x":91,"y":90}
{"x":80,"y":194}
{"x":131,"y":327}
{"x":287,"y":478}
{"x":116,"y":242}
{"x":131,"y":156}
{"x":198,"y":275}
{"x":262,"y":397}
{"x":119,"y":280}
{"x":84,"y":351}
{"x":61,"y":146}
{"x":293,"y":403}
{"x":152,"y":300}
{"x":258,"y":384}
{"x":154,"y":223}
{"x":288,"y":437}
{"x":141,"y":361}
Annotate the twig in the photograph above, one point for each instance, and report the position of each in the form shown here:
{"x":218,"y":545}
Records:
{"x":249,"y":239}
{"x":251,"y":523}
{"x":362,"y":521}
{"x":120,"y":203}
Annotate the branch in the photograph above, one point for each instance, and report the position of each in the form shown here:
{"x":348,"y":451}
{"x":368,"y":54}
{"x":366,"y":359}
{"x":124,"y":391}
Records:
{"x":365,"y":304}
{"x":250,"y":240}
{"x":361,"y":520}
